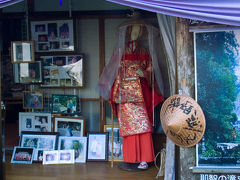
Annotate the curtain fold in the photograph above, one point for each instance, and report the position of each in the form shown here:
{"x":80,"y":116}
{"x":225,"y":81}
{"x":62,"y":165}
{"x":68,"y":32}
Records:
{"x":5,"y":3}
{"x":217,"y":11}
{"x":167,"y":29}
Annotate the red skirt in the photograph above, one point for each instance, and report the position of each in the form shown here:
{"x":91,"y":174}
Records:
{"x":138,"y":148}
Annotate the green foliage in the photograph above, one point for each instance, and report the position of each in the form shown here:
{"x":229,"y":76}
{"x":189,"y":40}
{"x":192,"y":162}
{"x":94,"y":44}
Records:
{"x":211,"y":153}
{"x":216,"y":85}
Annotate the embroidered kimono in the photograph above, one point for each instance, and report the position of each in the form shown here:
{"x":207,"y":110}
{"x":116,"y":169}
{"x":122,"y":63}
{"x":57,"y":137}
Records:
{"x":131,"y":96}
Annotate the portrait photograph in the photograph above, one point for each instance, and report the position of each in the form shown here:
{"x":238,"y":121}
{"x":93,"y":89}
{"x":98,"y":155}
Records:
{"x":78,"y":144}
{"x":54,"y":45}
{"x":52,"y":30}
{"x":50,"y":157}
{"x":59,"y":60}
{"x":43,"y":46}
{"x":66,"y":156}
{"x":64,"y":31}
{"x":69,"y":126}
{"x":22,"y":51}
{"x":40,"y":28}
{"x":30,"y":121}
{"x":42,"y":38}
{"x":32,"y":99}
{"x":22,"y":155}
{"x":97,"y":147}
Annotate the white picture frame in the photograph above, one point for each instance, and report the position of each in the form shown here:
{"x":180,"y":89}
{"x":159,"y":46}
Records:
{"x":31,"y":121}
{"x":78,"y":144}
{"x":53,"y":36}
{"x":63,"y":71}
{"x":66,"y":156}
{"x":58,"y":157}
{"x":50,"y":157}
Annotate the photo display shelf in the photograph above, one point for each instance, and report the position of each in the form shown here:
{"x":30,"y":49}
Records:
{"x":62,"y":71}
{"x":53,"y":36}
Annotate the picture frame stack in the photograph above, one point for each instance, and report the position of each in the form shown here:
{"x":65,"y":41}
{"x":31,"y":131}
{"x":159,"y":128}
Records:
{"x":47,"y":138}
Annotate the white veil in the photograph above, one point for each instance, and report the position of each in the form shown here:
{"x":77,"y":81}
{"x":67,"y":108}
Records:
{"x":111,"y":69}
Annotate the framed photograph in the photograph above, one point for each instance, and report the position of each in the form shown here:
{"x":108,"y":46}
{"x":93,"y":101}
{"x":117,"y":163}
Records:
{"x":32,"y":99}
{"x":53,"y":36}
{"x":117,"y":143}
{"x":58,"y":157}
{"x":39,"y":141}
{"x":69,"y":126}
{"x":97,"y":147}
{"x":66,"y":156}
{"x":78,"y":144}
{"x":50,"y":157}
{"x":217,"y":65}
{"x":64,"y":104}
{"x":28,"y":72}
{"x":62,"y":71}
{"x":22,"y":155}
{"x":22,"y":51}
{"x":31,"y":121}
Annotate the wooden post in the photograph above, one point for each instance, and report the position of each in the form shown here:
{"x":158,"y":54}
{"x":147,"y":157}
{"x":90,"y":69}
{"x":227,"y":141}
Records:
{"x":185,"y":83}
{"x":101,"y":66}
{"x":2,"y":170}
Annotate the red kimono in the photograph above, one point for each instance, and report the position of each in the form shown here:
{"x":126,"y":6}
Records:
{"x":131,"y":100}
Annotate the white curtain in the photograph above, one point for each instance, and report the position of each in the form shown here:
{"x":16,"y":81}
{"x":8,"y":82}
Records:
{"x":167,"y":28}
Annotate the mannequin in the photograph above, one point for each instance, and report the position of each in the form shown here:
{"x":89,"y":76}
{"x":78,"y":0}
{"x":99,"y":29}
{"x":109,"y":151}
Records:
{"x":131,"y":99}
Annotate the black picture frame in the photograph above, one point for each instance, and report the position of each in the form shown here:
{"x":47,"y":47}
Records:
{"x":97,"y":146}
{"x":64,"y":104}
{"x":40,"y":141}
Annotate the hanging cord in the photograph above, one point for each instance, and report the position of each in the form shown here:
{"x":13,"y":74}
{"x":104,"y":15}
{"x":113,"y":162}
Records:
{"x":162,"y":162}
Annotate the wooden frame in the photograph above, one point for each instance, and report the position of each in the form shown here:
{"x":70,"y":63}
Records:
{"x":28,"y":72}
{"x":97,"y":146}
{"x":32,"y":99}
{"x":22,"y":155}
{"x":78,"y":144}
{"x":64,"y":104}
{"x":63,"y":71}
{"x":22,"y":51}
{"x":40,"y":141}
{"x":117,"y":143}
{"x":69,"y":126}
{"x":53,"y":35}
{"x":31,"y":121}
